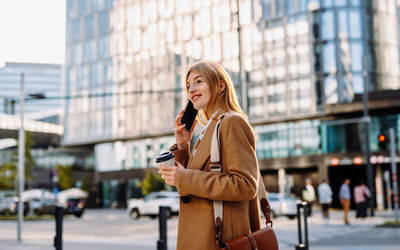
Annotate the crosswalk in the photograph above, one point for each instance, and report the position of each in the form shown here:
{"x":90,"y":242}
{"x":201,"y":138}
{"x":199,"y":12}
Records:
{"x":318,"y":232}
{"x":288,"y":235}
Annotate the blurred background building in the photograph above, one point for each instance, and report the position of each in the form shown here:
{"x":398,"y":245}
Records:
{"x":43,"y":106}
{"x":298,"y":66}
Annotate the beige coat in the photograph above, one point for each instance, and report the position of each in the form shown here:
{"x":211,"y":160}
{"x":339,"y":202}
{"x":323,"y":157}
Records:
{"x":236,"y":186}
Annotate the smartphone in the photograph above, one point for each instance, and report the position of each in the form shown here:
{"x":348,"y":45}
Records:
{"x":189,"y":116}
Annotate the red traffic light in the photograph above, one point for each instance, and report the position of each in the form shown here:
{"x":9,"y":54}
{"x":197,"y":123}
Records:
{"x":381,"y":138}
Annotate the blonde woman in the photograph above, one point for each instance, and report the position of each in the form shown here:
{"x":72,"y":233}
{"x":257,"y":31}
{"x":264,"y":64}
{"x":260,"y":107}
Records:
{"x":211,"y":90}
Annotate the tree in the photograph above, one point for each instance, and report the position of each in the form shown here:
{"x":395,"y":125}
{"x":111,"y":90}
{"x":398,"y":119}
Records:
{"x":8,"y":174}
{"x":86,"y":183}
{"x":65,"y":179}
{"x":152,"y":183}
{"x":8,"y":170}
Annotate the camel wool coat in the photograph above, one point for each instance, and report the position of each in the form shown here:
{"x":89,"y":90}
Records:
{"x":236,"y":186}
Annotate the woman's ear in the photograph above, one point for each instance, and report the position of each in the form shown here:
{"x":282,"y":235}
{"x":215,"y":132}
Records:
{"x":221,"y":87}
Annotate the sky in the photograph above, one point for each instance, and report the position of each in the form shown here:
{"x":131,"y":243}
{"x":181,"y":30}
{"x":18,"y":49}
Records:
{"x":32,"y":31}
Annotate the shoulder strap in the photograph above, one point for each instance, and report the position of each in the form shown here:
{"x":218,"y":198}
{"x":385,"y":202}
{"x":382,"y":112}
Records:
{"x":215,"y":166}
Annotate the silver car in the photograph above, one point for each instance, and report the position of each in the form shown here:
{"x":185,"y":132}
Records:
{"x":150,"y":204}
{"x":283,"y":205}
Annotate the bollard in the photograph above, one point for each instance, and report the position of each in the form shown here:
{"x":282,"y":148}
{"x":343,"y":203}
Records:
{"x":302,"y":206}
{"x":162,"y":219}
{"x":59,"y":220}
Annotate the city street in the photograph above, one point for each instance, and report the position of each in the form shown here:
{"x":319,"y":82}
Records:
{"x":113,"y":229}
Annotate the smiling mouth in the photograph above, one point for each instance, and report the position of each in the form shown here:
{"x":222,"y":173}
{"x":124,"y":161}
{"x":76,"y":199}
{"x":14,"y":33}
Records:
{"x":195,"y":97}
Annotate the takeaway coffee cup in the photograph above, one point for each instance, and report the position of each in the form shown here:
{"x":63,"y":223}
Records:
{"x":166,"y":158}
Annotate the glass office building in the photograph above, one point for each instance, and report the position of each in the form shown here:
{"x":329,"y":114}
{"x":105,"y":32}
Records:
{"x":296,"y":64}
{"x":40,"y":78}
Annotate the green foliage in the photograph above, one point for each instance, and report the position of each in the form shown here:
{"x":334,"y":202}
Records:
{"x":65,"y":179}
{"x":152,"y":183}
{"x":8,"y":173}
{"x":29,"y":161}
{"x":86,"y":183}
{"x":8,"y":170}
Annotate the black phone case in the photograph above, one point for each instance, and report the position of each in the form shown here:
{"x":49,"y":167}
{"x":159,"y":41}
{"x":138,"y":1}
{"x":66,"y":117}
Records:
{"x":189,"y":116}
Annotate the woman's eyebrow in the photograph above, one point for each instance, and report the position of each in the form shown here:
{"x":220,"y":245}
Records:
{"x":197,"y":77}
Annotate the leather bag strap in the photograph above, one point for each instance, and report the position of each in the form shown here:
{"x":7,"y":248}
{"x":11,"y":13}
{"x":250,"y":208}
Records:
{"x":216,"y":166}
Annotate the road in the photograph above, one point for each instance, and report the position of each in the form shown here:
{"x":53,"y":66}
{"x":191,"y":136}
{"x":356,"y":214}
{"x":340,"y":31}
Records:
{"x":113,"y":229}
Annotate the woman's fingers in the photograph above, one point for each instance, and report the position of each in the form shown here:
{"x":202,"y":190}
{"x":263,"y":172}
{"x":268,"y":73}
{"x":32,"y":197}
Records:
{"x":169,"y":173}
{"x":179,"y":128}
{"x":179,"y":165}
{"x":178,"y":118}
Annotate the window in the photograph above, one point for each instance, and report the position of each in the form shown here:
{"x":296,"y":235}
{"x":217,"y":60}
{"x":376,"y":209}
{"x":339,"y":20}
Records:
{"x":266,"y":9}
{"x":330,"y":87}
{"x":89,"y":27}
{"x":355,"y":23}
{"x":329,"y":57}
{"x":76,"y":30}
{"x":328,"y":25}
{"x":290,"y":7}
{"x":356,"y":56}
{"x":103,"y":22}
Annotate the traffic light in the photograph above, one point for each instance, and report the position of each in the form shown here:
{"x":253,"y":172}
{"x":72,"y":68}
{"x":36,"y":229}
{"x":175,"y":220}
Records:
{"x":382,"y":141}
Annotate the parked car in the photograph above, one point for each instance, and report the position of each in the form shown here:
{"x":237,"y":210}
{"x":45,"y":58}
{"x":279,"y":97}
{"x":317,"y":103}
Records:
{"x":44,"y":202}
{"x":9,"y":206}
{"x":149,"y":205}
{"x":73,"y":200}
{"x":283,"y":205}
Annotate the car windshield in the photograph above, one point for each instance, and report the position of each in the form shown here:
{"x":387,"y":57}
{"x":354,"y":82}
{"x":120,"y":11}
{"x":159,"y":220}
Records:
{"x":277,"y":197}
{"x":161,"y":196}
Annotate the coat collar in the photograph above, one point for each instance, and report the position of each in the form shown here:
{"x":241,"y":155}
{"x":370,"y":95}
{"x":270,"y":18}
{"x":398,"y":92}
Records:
{"x":203,"y":147}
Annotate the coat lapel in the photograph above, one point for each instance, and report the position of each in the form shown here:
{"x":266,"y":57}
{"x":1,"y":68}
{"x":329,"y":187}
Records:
{"x":203,"y":147}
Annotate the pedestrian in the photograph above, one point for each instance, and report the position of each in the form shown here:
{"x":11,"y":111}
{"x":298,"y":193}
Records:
{"x":308,"y":195}
{"x":212,"y":92}
{"x":361,"y":196}
{"x":325,"y":198}
{"x":345,"y":196}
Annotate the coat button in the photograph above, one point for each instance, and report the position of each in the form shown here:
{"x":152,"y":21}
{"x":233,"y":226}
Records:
{"x":185,"y":199}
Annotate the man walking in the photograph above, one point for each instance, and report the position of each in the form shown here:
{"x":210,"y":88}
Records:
{"x":325,"y":198}
{"x":345,"y":196}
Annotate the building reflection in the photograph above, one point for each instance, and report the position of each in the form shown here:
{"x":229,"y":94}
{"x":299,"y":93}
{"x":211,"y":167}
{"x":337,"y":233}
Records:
{"x":301,"y":62}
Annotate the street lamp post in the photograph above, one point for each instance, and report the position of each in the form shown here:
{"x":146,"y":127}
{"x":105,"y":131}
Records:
{"x":21,"y":153}
{"x":21,"y":158}
{"x":366,"y":118}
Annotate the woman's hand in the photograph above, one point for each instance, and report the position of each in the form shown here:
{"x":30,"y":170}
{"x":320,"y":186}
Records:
{"x":171,"y":174}
{"x":182,"y":136}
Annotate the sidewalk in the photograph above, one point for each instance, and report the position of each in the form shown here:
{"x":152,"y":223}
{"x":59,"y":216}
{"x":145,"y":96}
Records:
{"x":370,"y":238}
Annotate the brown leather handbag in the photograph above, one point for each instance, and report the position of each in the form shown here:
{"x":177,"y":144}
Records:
{"x":263,"y":239}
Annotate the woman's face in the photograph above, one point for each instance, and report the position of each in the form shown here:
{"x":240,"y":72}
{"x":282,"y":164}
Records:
{"x":198,"y":91}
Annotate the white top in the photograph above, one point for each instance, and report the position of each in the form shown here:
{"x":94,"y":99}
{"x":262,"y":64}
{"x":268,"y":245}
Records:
{"x":205,"y":129}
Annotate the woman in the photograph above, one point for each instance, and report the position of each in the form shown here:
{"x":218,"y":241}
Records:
{"x":361,"y":196}
{"x":210,"y":89}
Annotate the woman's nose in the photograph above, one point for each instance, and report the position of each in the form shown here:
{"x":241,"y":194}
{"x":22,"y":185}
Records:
{"x":191,"y":88}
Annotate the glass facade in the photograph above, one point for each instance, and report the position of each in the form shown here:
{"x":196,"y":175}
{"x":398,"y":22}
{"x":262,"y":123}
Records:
{"x":39,"y":78}
{"x":126,"y":62}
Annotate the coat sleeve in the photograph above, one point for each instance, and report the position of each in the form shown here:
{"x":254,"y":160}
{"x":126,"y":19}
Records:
{"x":239,"y":163}
{"x":181,"y":155}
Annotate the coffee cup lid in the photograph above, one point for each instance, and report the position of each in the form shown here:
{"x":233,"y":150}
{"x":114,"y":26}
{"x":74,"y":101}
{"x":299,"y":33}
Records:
{"x":164,"y":157}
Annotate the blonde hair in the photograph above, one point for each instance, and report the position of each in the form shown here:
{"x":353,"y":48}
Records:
{"x":213,"y":74}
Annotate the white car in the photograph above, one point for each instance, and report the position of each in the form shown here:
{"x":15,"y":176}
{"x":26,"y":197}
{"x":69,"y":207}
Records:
{"x":150,"y":204}
{"x":283,"y":205}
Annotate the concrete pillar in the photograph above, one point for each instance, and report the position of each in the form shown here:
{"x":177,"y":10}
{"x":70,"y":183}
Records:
{"x":322,"y":171}
{"x":379,"y":188}
{"x":281,"y":180}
